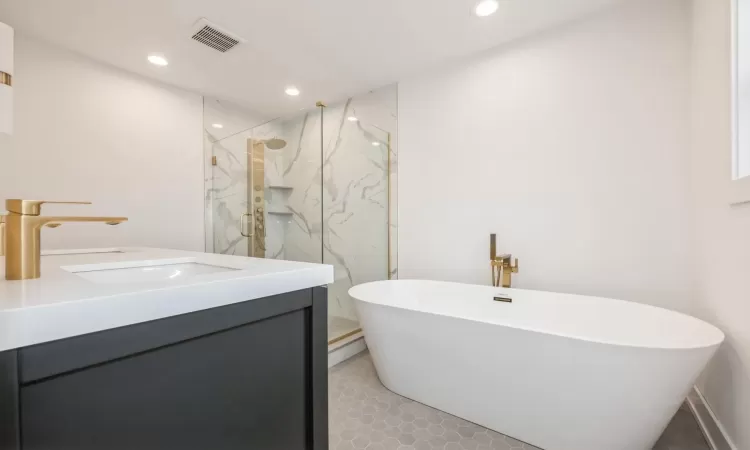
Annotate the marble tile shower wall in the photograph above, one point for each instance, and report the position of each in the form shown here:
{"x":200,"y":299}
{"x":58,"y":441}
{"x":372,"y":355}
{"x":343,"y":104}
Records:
{"x":348,"y":215}
{"x":226,"y":193}
{"x":355,"y":195}
{"x":344,"y":220}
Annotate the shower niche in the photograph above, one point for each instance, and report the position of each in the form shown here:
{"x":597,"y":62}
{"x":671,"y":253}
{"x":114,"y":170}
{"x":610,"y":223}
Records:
{"x":317,"y":186}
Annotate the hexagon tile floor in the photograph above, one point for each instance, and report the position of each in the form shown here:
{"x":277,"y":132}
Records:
{"x":366,"y":415}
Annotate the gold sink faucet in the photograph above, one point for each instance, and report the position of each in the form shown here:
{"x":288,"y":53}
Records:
{"x":23,"y":225}
{"x":501,"y":265}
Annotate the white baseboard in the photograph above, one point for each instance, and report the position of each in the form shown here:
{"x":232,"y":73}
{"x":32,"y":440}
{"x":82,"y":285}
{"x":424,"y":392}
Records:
{"x":351,"y":347}
{"x":715,"y":433}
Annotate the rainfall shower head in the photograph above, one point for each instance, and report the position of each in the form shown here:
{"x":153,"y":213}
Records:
{"x":275,"y":144}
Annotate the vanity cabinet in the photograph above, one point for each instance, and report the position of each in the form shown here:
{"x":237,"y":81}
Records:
{"x":250,"y":375}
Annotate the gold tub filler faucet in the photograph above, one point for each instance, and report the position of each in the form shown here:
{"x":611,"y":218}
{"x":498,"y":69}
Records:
{"x":22,"y":229}
{"x":501,"y":266}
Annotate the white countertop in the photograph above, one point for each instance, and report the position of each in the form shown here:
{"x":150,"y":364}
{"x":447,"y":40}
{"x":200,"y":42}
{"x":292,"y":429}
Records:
{"x":63,"y":304}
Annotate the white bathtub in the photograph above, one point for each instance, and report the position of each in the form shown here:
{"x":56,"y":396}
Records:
{"x":559,"y":371}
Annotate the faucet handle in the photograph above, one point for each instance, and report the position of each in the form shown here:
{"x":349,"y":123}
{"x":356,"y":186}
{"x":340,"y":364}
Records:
{"x":33,"y":207}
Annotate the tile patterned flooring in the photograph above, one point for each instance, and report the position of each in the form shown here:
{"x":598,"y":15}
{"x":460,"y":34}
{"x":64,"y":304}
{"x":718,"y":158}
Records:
{"x":682,"y":433}
{"x":366,"y":415}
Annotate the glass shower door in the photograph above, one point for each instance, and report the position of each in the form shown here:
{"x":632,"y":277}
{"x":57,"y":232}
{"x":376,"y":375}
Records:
{"x":313,"y":187}
{"x":356,"y":234}
{"x":230,"y":211}
{"x":266,"y":190}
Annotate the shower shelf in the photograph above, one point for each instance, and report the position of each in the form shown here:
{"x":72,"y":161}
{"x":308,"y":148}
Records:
{"x":279,"y":186}
{"x":280,"y":212}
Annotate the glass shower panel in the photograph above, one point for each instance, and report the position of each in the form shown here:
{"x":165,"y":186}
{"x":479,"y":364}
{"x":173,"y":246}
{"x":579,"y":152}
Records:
{"x":292,"y":187}
{"x":313,"y":187}
{"x":227,"y":194}
{"x":355,"y":209}
{"x":265,"y":190}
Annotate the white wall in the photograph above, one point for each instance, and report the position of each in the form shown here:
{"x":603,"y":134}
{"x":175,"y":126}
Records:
{"x":743,"y":92}
{"x":570,"y":145}
{"x":85,"y":131}
{"x":722,"y":265}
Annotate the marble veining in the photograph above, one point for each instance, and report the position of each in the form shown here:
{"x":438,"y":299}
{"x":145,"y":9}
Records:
{"x":338,"y":200}
{"x":352,"y":225}
{"x":227,"y":196}
{"x":299,"y":145}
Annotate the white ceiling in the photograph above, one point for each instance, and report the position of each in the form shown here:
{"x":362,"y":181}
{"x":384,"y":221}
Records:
{"x":330,"y":49}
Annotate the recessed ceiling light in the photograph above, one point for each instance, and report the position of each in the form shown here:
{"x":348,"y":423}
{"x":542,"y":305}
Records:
{"x":486,"y":7}
{"x":291,"y":90}
{"x":375,"y":143}
{"x":352,"y":119}
{"x":157,"y":60}
{"x":217,"y":125}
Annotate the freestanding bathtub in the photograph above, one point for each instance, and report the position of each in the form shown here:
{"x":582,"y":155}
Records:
{"x":559,"y":371}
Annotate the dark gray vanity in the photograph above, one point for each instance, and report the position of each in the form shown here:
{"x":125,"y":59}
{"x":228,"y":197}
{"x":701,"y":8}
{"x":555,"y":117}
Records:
{"x":249,"y":375}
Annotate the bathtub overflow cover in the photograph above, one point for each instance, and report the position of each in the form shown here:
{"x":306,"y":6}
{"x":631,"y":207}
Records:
{"x":503,"y":298}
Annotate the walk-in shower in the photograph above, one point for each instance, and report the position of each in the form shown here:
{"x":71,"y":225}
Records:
{"x":318,"y":186}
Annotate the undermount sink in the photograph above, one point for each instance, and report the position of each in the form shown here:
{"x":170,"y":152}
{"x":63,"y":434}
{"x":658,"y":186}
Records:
{"x":148,"y":273}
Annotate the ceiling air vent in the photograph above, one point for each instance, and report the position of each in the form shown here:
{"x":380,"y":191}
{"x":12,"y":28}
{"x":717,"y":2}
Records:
{"x":214,"y":36}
